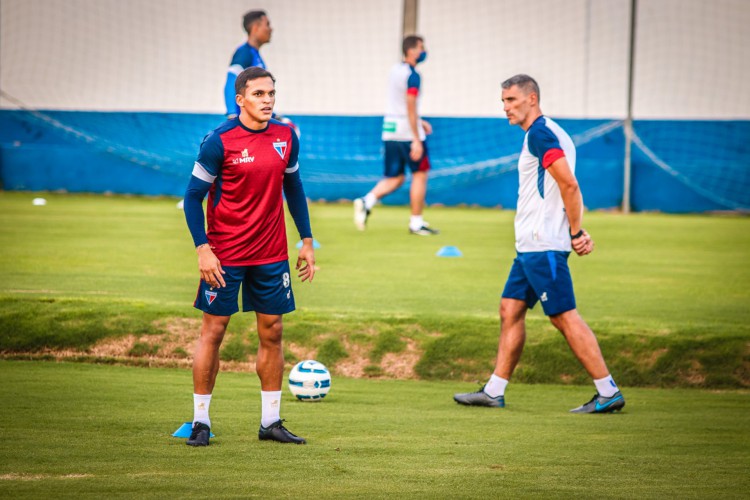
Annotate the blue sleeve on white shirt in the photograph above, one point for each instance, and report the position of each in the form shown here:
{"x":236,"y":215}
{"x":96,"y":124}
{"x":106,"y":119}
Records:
{"x":295,"y":192}
{"x":414,"y":80}
{"x":541,"y":139}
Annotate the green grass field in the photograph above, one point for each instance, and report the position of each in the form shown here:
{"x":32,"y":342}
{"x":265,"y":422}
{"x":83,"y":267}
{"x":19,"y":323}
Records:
{"x":666,"y":295}
{"x":90,"y":431}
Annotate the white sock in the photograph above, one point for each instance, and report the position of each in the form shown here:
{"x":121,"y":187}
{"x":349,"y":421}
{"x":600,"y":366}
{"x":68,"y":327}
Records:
{"x":416,"y":222}
{"x":370,"y":200}
{"x":271,"y":405}
{"x":201,"y":402}
{"x":606,"y":386}
{"x":496,"y":386}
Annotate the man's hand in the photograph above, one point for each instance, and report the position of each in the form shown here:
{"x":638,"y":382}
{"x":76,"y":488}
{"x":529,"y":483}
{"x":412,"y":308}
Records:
{"x":306,"y":255}
{"x":417,"y":150}
{"x":583,"y":245}
{"x":210,"y":267}
{"x":427,"y":127}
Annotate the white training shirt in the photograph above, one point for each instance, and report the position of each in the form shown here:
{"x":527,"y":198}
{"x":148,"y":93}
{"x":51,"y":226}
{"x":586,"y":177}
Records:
{"x":403,"y":80}
{"x":541,"y":223}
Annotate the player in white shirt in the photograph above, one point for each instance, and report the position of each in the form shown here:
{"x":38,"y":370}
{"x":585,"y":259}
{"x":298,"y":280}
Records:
{"x":404,"y":134}
{"x":548,"y":226}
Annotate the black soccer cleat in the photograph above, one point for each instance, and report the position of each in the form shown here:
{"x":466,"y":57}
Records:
{"x":479,"y":398}
{"x":199,"y":436}
{"x":600,"y":404}
{"x":277,"y":432}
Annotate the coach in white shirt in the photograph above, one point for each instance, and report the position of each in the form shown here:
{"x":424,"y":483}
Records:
{"x":548,"y":226}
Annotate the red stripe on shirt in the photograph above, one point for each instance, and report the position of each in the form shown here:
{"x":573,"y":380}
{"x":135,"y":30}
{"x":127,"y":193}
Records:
{"x":412,"y":91}
{"x":551,"y":156}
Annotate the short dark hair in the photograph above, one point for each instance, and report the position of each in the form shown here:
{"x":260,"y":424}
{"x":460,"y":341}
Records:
{"x":524,"y":82}
{"x":251,"y":73}
{"x":410,"y":42}
{"x":250,"y":18}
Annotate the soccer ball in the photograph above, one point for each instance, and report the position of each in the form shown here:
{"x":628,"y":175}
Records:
{"x":309,"y":380}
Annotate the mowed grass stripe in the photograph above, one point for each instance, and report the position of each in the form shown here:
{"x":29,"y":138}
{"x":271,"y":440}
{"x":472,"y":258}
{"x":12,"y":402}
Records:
{"x":78,"y":430}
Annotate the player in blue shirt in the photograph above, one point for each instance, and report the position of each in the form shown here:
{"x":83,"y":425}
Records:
{"x":247,"y":55}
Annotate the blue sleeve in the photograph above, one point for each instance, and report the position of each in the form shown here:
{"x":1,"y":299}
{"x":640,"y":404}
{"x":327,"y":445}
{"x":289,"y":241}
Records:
{"x":295,"y":192}
{"x":294,"y":153}
{"x":193,"y":206}
{"x":541,"y":140}
{"x":414,"y":81}
{"x":210,"y":156}
{"x":229,"y":93}
{"x":207,"y":167}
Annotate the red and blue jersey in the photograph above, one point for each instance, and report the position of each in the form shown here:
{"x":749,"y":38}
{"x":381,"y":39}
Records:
{"x":247,"y":171}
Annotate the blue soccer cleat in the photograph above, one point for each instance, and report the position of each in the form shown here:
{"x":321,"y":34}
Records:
{"x":479,"y":398}
{"x":600,"y":404}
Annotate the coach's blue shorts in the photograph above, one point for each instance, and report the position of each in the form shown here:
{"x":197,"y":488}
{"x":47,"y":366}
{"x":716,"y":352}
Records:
{"x":397,"y":158}
{"x":542,"y":276}
{"x":266,"y":289}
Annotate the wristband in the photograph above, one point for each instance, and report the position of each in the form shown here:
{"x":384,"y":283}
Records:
{"x":201,"y":245}
{"x":577,"y":235}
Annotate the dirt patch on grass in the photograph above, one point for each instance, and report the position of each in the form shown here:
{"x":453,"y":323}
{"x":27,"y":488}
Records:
{"x":695,"y":375}
{"x":300,"y":352}
{"x":401,"y":364}
{"x":567,"y":378}
{"x":172,"y":349}
{"x":650,"y":360}
{"x":354,"y":364}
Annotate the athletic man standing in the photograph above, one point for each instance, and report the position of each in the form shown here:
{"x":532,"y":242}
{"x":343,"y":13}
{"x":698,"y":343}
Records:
{"x":244,"y":165}
{"x":548,"y":226}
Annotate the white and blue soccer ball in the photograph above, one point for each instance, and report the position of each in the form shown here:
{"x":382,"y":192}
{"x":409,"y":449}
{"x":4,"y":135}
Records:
{"x":309,"y":380}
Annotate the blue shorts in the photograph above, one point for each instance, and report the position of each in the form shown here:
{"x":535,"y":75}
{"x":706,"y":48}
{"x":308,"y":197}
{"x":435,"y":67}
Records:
{"x":266,"y":289}
{"x":397,"y":158}
{"x":542,"y":276}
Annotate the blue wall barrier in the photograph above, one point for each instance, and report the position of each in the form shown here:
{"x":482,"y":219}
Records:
{"x":678,"y":166}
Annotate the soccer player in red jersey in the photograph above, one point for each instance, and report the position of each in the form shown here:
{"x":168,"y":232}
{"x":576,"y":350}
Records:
{"x":243,"y":166}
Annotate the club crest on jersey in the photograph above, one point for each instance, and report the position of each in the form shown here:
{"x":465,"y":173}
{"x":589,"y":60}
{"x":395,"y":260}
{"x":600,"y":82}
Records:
{"x":210,"y":296}
{"x":246,"y":158}
{"x":280,"y":148}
